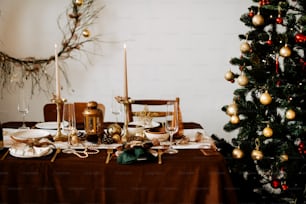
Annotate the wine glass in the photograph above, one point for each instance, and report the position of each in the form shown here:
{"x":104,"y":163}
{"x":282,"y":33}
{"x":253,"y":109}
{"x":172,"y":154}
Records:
{"x":116,"y":107}
{"x":171,"y":124}
{"x":68,"y":122}
{"x":23,"y":107}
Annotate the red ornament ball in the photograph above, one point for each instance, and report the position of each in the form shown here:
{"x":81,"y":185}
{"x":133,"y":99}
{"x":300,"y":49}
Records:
{"x":300,"y":38}
{"x":251,"y":14}
{"x":279,"y":20}
{"x":269,"y":42}
{"x":285,"y":186}
{"x":275,"y":183}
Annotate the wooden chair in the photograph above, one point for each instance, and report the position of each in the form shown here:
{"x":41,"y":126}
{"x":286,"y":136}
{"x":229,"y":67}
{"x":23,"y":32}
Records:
{"x":153,"y":108}
{"x":50,"y":112}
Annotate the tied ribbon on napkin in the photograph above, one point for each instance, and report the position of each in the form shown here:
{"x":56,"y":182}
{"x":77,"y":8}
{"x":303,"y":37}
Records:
{"x":136,"y":154}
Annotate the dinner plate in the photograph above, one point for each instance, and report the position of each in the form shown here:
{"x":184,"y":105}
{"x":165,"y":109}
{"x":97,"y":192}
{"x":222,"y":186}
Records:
{"x":141,"y":123}
{"x":52,"y":125}
{"x":21,"y":154}
{"x":29,"y":134}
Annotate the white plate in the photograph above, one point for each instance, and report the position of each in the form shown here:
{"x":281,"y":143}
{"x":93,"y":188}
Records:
{"x":47,"y":125}
{"x":17,"y":154}
{"x":29,"y":134}
{"x":140,"y":123}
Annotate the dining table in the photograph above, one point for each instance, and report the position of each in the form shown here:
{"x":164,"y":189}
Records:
{"x":193,"y":175}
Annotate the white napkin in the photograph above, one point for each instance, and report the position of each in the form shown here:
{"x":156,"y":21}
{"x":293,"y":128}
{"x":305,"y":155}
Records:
{"x":23,"y":150}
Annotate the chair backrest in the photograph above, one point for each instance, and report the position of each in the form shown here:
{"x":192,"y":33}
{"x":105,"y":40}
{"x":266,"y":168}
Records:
{"x":50,"y":112}
{"x":153,"y":108}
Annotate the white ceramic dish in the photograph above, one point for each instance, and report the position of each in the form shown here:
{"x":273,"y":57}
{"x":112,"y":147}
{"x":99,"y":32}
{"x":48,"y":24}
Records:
{"x":52,"y":125}
{"x":140,"y":123}
{"x":29,"y":134}
{"x":161,"y":136}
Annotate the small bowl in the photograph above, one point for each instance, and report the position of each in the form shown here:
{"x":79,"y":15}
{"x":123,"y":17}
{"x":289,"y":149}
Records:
{"x":161,"y":135}
{"x":135,"y":129}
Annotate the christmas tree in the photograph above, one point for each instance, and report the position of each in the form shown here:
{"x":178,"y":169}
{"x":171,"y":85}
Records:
{"x":268,"y":110}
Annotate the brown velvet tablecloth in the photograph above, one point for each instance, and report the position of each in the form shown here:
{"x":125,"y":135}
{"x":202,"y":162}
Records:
{"x":186,"y":177}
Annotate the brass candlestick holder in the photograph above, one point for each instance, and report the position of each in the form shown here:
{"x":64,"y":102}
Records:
{"x":125,"y":137}
{"x":59,"y":136}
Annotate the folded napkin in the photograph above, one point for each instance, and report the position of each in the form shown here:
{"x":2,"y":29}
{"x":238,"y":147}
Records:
{"x":136,"y":154}
{"x":23,"y":150}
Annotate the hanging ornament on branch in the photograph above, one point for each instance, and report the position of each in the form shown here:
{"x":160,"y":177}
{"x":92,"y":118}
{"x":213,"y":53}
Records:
{"x":229,"y":76}
{"x":285,"y":51}
{"x":265,"y":98}
{"x":267,"y":131}
{"x":258,"y":19}
{"x":79,"y":15}
{"x":256,"y":153}
{"x":237,"y":153}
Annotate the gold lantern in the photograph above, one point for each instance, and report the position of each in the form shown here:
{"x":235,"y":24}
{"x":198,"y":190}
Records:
{"x":93,"y":121}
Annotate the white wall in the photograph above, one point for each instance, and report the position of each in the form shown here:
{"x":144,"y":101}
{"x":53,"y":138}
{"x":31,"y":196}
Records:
{"x":174,"y":47}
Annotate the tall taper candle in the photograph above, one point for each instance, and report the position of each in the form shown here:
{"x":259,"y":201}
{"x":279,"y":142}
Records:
{"x":57,"y":81}
{"x":125,"y":94}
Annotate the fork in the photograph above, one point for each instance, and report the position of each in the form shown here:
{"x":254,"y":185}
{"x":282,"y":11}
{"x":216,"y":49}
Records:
{"x":109,"y":154}
{"x":58,"y":150}
{"x":160,"y":152}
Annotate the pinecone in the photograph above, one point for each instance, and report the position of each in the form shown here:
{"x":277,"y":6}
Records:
{"x":107,"y":140}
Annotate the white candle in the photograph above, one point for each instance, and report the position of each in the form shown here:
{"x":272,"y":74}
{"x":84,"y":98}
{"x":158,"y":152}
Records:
{"x":125,"y":94}
{"x":57,"y":81}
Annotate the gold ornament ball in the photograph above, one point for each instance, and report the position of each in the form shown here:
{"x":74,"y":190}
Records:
{"x":284,"y":157}
{"x":258,"y":20}
{"x":290,"y":114}
{"x":285,"y":51}
{"x":74,"y":140}
{"x":86,"y":33}
{"x":265,"y":98}
{"x":114,"y":129}
{"x":232,"y":109}
{"x":116,"y":137}
{"x":235,"y":119}
{"x":229,"y":75}
{"x":245,"y":47}
{"x":267,"y":131}
{"x":243,"y":80}
{"x":256,"y":154}
{"x":79,"y":2}
{"x":237,"y":153}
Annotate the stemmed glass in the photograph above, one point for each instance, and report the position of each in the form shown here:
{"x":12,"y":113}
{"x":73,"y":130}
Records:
{"x":68,"y":122}
{"x":171,"y":124}
{"x":116,"y":108}
{"x":23,"y":107}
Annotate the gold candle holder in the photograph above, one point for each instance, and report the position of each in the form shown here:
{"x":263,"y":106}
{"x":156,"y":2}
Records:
{"x":59,"y":136}
{"x":125,"y":137}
